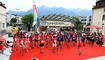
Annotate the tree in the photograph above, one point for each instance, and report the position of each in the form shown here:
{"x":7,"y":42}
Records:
{"x":13,"y":20}
{"x":78,"y":24}
{"x":28,"y":19}
{"x":88,"y":24}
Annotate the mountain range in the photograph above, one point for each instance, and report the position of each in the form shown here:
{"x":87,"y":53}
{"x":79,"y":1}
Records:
{"x":44,"y":10}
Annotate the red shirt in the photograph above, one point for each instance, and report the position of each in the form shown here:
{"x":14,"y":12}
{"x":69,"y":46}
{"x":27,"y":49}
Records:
{"x":22,"y":41}
{"x":48,"y":37}
{"x":79,"y":42}
{"x":1,"y":46}
{"x":45,"y":35}
{"x":54,"y":40}
{"x":42,"y":41}
{"x":33,"y":38}
{"x":38,"y":37}
{"x":28,"y":38}
{"x":15,"y":39}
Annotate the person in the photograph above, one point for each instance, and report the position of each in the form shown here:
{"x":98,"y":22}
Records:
{"x":83,"y":39}
{"x":37,"y":40}
{"x":68,"y":41}
{"x":61,"y":41}
{"x":1,"y":47}
{"x":42,"y":43}
{"x":4,"y":50}
{"x":15,"y":38}
{"x":79,"y":45}
{"x":22,"y":45}
{"x":54,"y":43}
{"x":33,"y":40}
{"x":58,"y":41}
{"x":34,"y":59}
{"x":47,"y":40}
{"x":73,"y":39}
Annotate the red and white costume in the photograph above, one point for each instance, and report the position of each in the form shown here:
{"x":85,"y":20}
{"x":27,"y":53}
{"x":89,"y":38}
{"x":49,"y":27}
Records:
{"x":42,"y":41}
{"x":22,"y":42}
{"x":54,"y":40}
{"x":15,"y":39}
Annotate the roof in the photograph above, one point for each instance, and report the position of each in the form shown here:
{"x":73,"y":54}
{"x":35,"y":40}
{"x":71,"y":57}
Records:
{"x":57,"y":17}
{"x":99,"y":4}
{"x":3,"y":5}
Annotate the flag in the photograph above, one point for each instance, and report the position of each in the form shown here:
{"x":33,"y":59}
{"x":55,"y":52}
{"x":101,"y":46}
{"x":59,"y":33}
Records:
{"x":35,"y":13}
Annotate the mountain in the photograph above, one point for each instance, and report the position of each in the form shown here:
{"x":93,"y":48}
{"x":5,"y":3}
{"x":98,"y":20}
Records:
{"x":44,"y":10}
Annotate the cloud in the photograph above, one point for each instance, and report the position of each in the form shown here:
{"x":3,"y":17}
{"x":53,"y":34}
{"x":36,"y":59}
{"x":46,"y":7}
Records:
{"x":27,"y":4}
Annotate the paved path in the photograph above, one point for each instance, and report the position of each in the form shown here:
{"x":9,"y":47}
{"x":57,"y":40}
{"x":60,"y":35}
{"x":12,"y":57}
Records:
{"x":97,"y":58}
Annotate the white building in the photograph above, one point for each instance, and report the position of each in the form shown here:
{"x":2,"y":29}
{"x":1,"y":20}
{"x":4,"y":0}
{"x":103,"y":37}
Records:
{"x":84,"y":19}
{"x":98,"y":14}
{"x":2,"y":17}
{"x":10,"y":16}
{"x":56,"y":22}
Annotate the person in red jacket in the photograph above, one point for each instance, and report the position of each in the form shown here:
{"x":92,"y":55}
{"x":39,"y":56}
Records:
{"x":54,"y":43}
{"x":38,"y":40}
{"x":42,"y":43}
{"x":22,"y":45}
{"x":1,"y":47}
{"x":15,"y":39}
{"x":33,"y":40}
{"x":79,"y":45}
{"x":47,"y":40}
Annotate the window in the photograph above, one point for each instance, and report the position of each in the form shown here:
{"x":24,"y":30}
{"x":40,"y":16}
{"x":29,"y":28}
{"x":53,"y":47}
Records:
{"x":104,"y":9}
{"x":3,"y":25}
{"x":83,"y":20}
{"x":103,"y":17}
{"x":102,"y":25}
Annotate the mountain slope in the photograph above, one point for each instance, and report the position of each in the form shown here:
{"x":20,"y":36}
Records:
{"x":44,"y":10}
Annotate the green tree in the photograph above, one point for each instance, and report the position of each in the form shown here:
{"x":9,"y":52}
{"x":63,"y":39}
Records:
{"x":78,"y":24}
{"x":13,"y":20}
{"x":27,"y":19}
{"x":88,"y":24}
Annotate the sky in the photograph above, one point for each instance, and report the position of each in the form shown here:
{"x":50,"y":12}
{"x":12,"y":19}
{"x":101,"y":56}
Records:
{"x":24,"y":5}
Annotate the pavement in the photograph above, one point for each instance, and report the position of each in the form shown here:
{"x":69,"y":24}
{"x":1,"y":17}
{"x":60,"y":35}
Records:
{"x":97,"y":58}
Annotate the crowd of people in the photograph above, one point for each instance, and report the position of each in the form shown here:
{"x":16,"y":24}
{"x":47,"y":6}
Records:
{"x":4,"y":47}
{"x":55,"y":39}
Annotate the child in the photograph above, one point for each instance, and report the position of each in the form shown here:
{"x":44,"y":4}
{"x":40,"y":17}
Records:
{"x":54,"y":44}
{"x":79,"y":45}
{"x":83,"y":40}
{"x":37,"y":40}
{"x":61,"y":41}
{"x":42,"y":42}
{"x":22,"y":45}
{"x":15,"y":38}
{"x":68,"y":41}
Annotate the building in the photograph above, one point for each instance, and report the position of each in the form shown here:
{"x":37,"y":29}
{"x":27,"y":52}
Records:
{"x":2,"y":17}
{"x":10,"y":16}
{"x":84,"y":19}
{"x":98,"y":14}
{"x":55,"y":22}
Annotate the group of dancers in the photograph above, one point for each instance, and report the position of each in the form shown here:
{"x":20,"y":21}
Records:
{"x":55,"y":39}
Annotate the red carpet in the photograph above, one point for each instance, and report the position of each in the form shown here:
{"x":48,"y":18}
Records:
{"x":64,"y":54}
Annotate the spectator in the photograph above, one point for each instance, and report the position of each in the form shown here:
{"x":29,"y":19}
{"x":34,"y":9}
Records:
{"x":1,"y":47}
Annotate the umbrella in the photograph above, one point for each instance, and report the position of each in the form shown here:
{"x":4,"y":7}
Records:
{"x":93,"y":26}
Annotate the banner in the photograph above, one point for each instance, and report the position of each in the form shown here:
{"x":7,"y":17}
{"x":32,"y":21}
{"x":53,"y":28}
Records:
{"x":35,"y":13}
